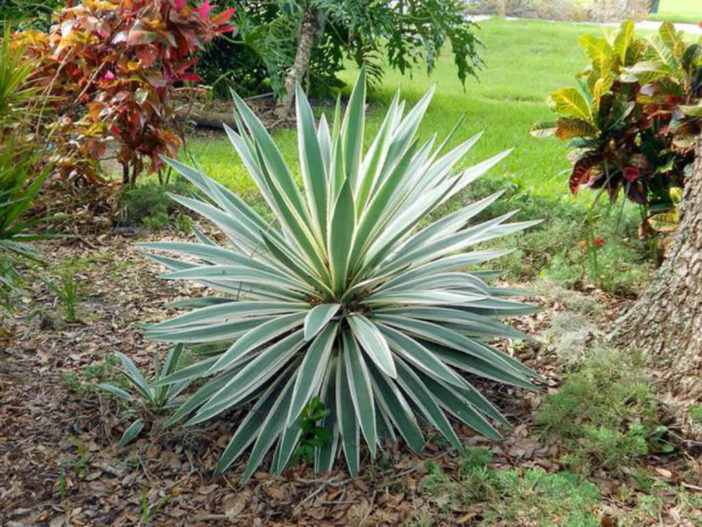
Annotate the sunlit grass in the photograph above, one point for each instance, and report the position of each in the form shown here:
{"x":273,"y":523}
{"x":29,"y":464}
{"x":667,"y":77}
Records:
{"x":525,"y":60}
{"x":689,"y":11}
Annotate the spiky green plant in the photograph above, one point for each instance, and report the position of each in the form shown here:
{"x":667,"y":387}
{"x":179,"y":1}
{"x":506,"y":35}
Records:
{"x":344,"y":296}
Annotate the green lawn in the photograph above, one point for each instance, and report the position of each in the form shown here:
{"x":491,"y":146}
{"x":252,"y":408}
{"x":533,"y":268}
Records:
{"x":525,"y":60}
{"x":689,"y":11}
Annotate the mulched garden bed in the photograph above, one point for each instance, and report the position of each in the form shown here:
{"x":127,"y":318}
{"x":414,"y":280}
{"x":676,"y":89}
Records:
{"x":59,"y":459}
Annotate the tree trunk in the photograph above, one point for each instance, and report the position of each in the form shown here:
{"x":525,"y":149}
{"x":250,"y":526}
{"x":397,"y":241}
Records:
{"x":305,"y":43}
{"x":667,"y":320}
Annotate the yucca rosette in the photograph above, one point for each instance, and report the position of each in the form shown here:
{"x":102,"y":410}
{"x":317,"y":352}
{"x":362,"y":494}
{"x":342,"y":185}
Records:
{"x":343,"y":296}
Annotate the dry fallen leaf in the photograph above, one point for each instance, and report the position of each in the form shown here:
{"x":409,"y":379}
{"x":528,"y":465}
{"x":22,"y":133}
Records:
{"x":664,"y":472}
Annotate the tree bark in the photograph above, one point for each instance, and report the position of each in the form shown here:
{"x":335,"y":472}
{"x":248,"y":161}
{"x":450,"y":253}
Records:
{"x":667,"y":320}
{"x":303,"y":54}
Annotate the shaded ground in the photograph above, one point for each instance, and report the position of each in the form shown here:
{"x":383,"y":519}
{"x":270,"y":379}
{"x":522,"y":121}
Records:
{"x":59,"y":463}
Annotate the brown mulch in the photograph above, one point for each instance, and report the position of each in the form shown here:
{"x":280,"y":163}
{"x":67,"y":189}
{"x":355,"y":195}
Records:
{"x":59,"y":459}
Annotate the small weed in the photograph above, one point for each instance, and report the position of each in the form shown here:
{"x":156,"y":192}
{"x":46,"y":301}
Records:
{"x":67,"y":292}
{"x":649,"y":508}
{"x":81,"y":462}
{"x":141,"y":395}
{"x":313,"y":435}
{"x":148,"y":511}
{"x":150,"y":205}
{"x":62,"y":484}
{"x":92,"y":375}
{"x":184,"y":223}
{"x":605,"y":413}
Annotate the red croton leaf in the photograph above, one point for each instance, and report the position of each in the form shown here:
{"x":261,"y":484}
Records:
{"x":631,"y":174}
{"x":583,"y":171}
{"x":636,"y":193}
{"x":190,"y":77}
{"x":204,"y":9}
{"x":147,"y":55}
{"x":223,"y":17}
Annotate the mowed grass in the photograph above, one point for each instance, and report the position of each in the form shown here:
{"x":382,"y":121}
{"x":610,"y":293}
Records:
{"x":525,"y":60}
{"x":689,"y":11}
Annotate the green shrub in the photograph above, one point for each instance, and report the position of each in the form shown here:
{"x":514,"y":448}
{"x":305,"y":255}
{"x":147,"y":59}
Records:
{"x":149,"y":204}
{"x":343,"y":297}
{"x":606,"y":413}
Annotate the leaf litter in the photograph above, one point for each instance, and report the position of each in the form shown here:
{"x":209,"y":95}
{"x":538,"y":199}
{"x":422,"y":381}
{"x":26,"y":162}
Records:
{"x":59,"y":460}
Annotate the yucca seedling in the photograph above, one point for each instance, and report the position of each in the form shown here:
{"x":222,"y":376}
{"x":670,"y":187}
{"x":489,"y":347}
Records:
{"x":343,"y":297}
{"x":146,"y":393}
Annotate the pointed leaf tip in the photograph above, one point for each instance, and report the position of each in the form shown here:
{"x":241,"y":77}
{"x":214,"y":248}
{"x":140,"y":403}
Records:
{"x":318,"y":317}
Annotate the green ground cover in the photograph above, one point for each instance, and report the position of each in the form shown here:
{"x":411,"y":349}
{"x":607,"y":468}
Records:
{"x":689,"y":11}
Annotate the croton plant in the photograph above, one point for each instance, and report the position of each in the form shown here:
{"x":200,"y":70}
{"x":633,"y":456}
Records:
{"x":109,"y":66}
{"x":633,"y":117}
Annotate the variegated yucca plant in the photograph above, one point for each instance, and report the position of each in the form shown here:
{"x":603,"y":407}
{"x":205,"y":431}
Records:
{"x":343,"y":296}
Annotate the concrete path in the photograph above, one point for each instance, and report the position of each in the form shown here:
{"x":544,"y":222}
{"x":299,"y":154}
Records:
{"x":652,"y":25}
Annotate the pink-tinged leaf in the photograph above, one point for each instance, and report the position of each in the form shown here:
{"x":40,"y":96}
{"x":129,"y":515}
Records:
{"x":156,"y":81}
{"x":225,"y":29}
{"x":204,"y":10}
{"x":191,"y":77}
{"x":171,"y":39}
{"x":179,"y":4}
{"x":141,"y":95}
{"x":631,"y":173}
{"x":67,"y":27}
{"x":120,"y":37}
{"x":223,"y":17}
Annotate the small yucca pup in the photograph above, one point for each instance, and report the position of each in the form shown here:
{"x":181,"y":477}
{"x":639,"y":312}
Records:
{"x":343,"y":296}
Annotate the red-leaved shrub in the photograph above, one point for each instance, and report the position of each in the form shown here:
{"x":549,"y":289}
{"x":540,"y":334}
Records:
{"x":108,"y":67}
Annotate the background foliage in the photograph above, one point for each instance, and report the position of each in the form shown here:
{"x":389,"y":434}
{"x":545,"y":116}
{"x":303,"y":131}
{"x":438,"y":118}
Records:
{"x":401,"y":35}
{"x":28,"y":14}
